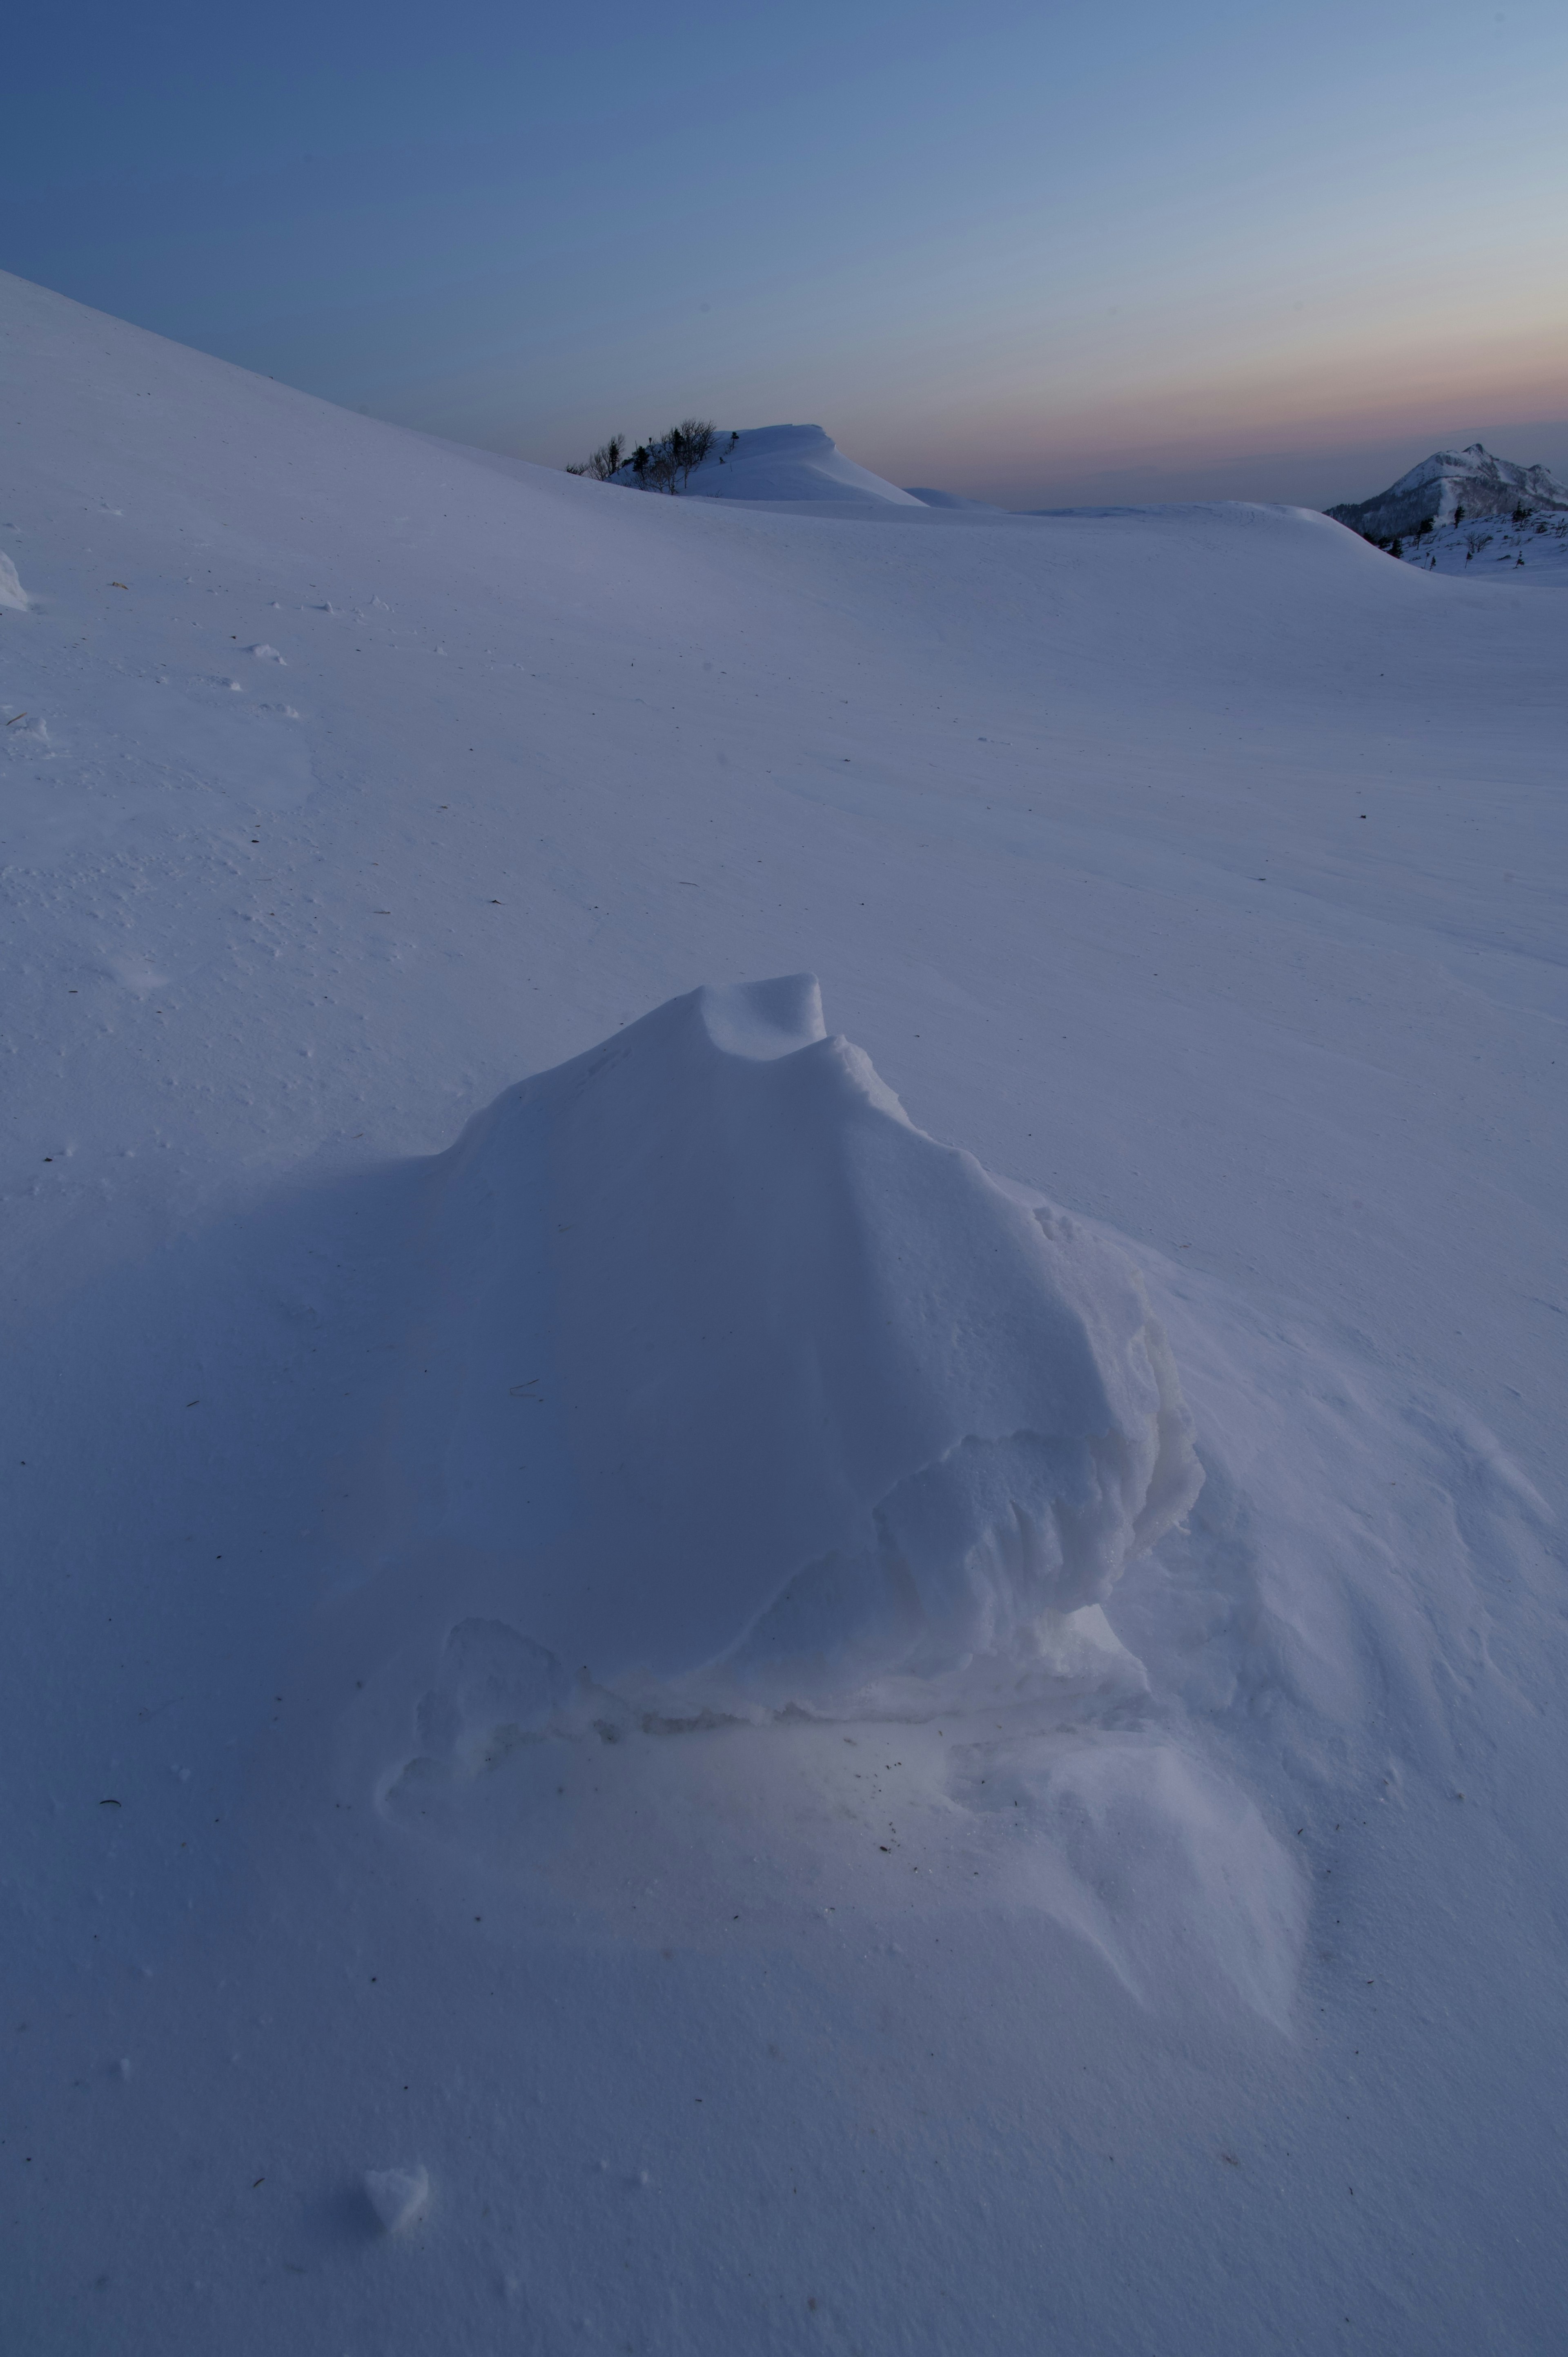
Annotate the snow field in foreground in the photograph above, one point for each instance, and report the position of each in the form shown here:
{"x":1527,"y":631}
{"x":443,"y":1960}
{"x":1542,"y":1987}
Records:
{"x":411,"y":1762}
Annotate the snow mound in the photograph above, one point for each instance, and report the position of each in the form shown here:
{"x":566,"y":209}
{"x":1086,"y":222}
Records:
{"x":12,"y":594}
{"x":741,"y":1368}
{"x":788,"y":462}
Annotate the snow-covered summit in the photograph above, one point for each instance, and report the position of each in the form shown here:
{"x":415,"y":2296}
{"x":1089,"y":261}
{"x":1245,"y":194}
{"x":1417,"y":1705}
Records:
{"x":785,"y":462}
{"x":1433,"y":493}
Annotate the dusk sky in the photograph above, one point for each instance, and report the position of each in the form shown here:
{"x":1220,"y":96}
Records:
{"x":1034,"y":255}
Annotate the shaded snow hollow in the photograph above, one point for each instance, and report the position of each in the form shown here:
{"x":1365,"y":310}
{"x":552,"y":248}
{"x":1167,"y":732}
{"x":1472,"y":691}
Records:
{"x":754,"y":1372}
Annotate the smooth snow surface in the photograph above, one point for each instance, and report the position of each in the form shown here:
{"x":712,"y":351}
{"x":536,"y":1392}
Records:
{"x":787,"y":462}
{"x":606,"y":1598}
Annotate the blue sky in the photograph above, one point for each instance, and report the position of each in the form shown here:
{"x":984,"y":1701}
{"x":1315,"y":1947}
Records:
{"x":1033,"y":253}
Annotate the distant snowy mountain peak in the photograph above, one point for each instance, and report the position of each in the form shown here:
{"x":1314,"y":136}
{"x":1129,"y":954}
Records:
{"x":1472,"y":481}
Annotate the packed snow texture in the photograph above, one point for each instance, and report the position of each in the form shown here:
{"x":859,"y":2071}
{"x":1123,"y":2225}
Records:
{"x":1185,"y":1971}
{"x":1432,"y":492}
{"x":785,"y":463}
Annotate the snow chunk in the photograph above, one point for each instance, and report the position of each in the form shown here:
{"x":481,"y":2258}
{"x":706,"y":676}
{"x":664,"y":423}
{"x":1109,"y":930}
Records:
{"x":752,"y":1373}
{"x":266,"y":655}
{"x":398,"y":2196}
{"x":12,"y":594}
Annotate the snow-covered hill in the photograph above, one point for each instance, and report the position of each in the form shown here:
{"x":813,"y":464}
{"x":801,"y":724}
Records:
{"x":609,"y":1738}
{"x":1455,"y":487}
{"x":784,"y":462}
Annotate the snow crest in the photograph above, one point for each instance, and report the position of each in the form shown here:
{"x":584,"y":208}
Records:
{"x":752,"y":1373}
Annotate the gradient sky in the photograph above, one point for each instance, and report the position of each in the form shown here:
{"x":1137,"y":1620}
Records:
{"x":1033,"y":253}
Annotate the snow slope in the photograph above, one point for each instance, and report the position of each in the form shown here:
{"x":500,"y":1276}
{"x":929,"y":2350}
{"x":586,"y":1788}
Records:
{"x":1532,"y":554}
{"x":474,"y":1879}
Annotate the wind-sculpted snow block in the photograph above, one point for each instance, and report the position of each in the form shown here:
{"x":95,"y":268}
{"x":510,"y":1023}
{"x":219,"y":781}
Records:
{"x":751,"y":1375}
{"x":494,"y":1688}
{"x":398,"y":2197}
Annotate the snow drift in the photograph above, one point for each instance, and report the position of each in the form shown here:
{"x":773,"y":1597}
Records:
{"x":744,"y":1368}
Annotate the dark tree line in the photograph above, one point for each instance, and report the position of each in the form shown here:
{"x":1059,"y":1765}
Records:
{"x":666,"y":462}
